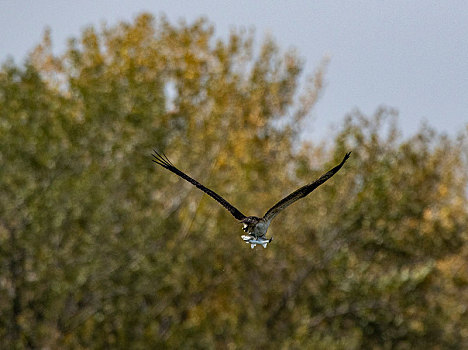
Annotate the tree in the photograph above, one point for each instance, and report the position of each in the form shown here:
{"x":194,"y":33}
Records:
{"x":100,"y":249}
{"x":380,"y":239}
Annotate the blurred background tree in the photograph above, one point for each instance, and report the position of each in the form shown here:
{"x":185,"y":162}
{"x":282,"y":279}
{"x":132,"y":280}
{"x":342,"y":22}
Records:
{"x":99,"y":249}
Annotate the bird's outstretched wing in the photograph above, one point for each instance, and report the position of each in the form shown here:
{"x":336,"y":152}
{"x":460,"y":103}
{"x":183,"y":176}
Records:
{"x":163,"y":161}
{"x":302,"y":192}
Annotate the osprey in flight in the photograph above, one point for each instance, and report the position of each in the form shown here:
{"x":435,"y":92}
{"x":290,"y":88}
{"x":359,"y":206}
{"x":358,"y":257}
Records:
{"x":254,"y":226}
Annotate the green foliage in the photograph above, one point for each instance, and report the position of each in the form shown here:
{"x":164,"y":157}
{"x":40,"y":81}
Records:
{"x":100,"y":249}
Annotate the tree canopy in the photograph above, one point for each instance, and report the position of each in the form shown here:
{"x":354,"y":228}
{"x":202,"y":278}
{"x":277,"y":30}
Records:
{"x":100,"y":249}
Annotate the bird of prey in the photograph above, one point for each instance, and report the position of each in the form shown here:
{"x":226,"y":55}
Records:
{"x":254,"y":226}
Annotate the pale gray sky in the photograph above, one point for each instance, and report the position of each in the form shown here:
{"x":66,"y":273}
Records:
{"x":410,"y":55}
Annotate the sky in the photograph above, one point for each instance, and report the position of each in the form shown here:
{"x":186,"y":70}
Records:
{"x":408,"y":55}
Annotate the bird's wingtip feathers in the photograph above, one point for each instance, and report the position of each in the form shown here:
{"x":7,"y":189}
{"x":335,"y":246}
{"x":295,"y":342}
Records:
{"x":346,"y":157}
{"x":161,"y":159}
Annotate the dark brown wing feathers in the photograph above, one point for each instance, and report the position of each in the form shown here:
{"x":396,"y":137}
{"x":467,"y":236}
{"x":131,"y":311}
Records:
{"x":163,"y":161}
{"x":303,"y":191}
